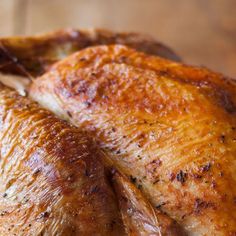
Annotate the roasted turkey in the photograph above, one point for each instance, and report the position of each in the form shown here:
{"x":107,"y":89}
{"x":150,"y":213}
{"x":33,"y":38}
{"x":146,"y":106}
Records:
{"x":168,"y":126}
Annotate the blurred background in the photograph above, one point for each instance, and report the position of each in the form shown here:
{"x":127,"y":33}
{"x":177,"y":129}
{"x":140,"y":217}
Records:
{"x":202,"y":32}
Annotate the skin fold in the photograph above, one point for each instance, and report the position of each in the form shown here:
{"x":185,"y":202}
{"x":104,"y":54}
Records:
{"x":169,"y":126}
{"x":33,"y":55}
{"x":139,"y":216}
{"x":52,"y":180}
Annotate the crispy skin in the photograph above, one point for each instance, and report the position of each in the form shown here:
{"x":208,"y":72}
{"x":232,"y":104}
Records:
{"x":15,"y":111}
{"x":139,"y":216}
{"x":169,"y":125}
{"x":52,"y":181}
{"x":34,"y":55}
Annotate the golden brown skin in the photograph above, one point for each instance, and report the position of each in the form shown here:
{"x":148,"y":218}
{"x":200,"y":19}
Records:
{"x":34,"y":55}
{"x":139,"y":216}
{"x":170,"y":126}
{"x":52,"y":181}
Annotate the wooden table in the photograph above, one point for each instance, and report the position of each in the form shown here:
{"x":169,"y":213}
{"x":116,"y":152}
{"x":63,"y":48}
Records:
{"x":203,"y":32}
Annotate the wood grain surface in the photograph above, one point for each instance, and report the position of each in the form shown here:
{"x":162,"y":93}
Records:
{"x":203,"y":32}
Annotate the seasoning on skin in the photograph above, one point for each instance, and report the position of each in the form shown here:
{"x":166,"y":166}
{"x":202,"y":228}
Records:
{"x":69,"y":114}
{"x":160,"y":205}
{"x":181,"y":177}
{"x":118,"y":152}
{"x":133,"y":179}
{"x":222,"y":138}
{"x":140,"y":186}
{"x":172,"y":176}
{"x":44,"y":214}
{"x":206,"y":167}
